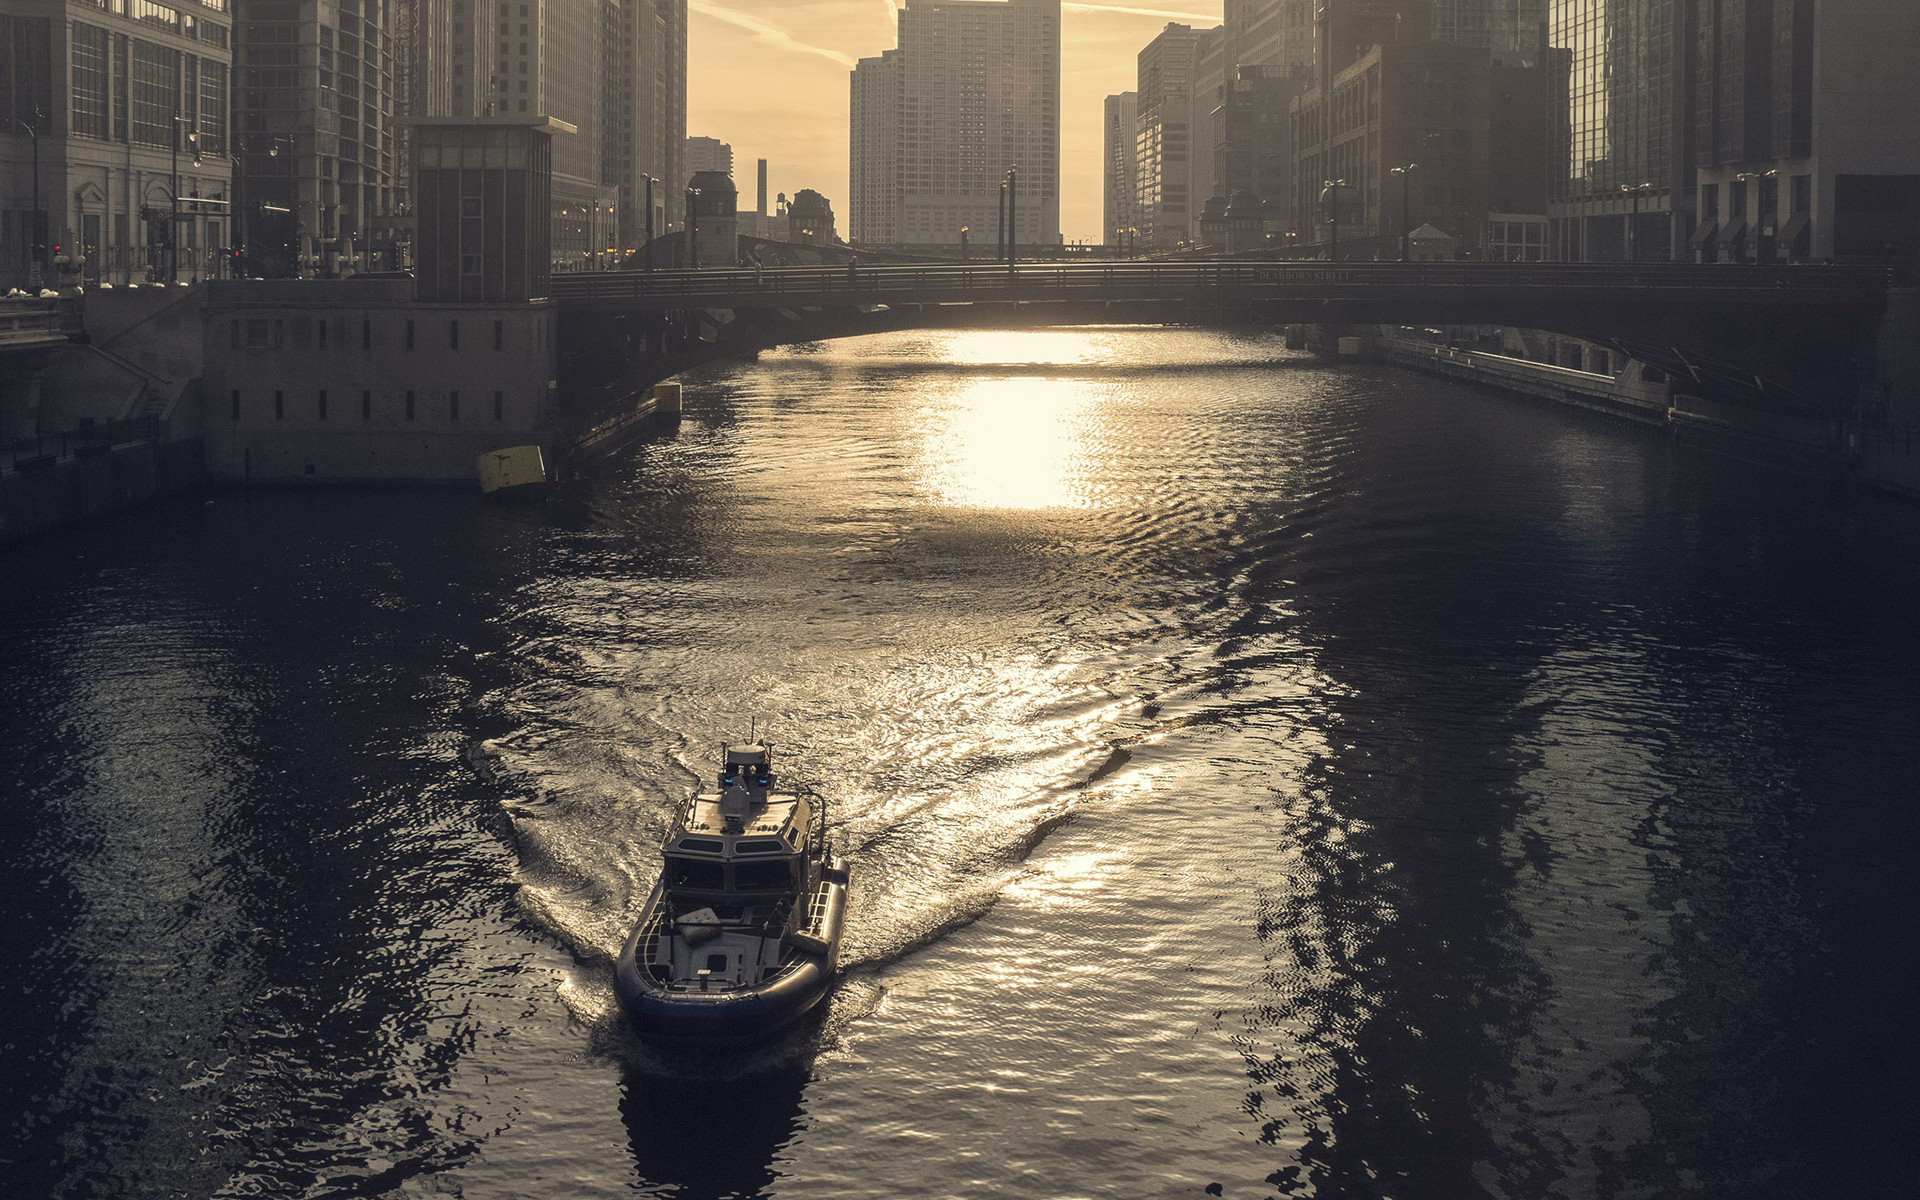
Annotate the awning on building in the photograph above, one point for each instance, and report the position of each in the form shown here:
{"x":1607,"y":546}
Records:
{"x":1733,"y":231}
{"x":1704,"y":233}
{"x":1795,"y":227}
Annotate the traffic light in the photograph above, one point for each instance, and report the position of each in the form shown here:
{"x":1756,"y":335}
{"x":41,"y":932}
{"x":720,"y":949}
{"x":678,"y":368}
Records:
{"x":159,"y":226}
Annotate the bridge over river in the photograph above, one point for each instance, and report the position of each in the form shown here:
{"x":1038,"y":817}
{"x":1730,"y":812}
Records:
{"x":1807,"y":330}
{"x":1801,"y":337}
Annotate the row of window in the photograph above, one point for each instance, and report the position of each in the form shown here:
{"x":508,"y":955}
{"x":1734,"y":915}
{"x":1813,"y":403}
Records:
{"x":269,"y":333}
{"x":177,"y":100}
{"x":321,"y":405}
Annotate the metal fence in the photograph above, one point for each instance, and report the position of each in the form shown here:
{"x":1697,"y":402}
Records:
{"x":45,"y":450}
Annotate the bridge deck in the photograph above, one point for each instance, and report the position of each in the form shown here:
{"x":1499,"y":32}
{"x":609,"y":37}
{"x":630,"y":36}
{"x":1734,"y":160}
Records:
{"x":1422,"y":287}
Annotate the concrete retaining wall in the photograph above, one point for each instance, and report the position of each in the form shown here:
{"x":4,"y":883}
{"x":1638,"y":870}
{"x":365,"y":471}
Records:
{"x":115,"y":478}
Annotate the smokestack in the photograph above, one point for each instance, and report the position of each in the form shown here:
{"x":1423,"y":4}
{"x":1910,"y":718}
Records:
{"x":763,"y":187}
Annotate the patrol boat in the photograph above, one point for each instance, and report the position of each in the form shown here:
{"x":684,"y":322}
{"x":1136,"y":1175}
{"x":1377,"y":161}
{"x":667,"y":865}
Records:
{"x":741,"y":935}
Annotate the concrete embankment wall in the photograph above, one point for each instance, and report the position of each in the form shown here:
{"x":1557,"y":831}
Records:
{"x":116,"y":478}
{"x":1885,"y":459}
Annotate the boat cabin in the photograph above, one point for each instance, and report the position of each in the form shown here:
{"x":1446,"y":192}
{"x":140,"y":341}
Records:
{"x":745,"y":840}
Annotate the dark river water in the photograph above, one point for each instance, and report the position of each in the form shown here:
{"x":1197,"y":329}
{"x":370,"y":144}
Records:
{"x":1312,"y":781}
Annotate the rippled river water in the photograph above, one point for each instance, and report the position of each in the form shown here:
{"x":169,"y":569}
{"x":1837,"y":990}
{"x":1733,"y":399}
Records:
{"x":1306,"y":780}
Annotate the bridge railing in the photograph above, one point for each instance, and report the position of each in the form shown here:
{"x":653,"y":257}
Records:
{"x":959,"y":281}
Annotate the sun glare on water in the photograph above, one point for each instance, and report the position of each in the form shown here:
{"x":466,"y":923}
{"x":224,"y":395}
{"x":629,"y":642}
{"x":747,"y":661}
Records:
{"x":1015,"y":441}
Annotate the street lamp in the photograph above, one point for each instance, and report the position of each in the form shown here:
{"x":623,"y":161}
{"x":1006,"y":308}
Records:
{"x":1013,"y":225}
{"x":1331,"y":193}
{"x":1406,"y":180}
{"x":1633,"y":192}
{"x":1000,"y":243}
{"x":963,"y":243}
{"x":693,"y":228}
{"x":1753,"y":226}
{"x":649,"y":252}
{"x":173,"y":201}
{"x":36,"y":237}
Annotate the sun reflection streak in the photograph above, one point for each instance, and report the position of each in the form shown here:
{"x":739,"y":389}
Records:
{"x":1010,"y":443}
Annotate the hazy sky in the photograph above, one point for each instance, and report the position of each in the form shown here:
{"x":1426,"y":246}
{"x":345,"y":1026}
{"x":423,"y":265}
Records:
{"x":771,"y":76}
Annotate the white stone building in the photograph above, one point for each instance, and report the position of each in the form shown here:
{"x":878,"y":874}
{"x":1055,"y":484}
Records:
{"x":977,"y":96}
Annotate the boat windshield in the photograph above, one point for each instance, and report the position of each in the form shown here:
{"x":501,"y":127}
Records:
{"x":770,"y":876}
{"x":696,"y":874}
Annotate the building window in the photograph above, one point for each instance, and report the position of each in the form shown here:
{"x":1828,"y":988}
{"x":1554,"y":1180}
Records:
{"x":236,"y":404}
{"x":499,"y":405}
{"x":499,"y":335}
{"x":279,"y":405}
{"x":89,"y":80}
{"x":321,"y":409}
{"x":156,"y":93}
{"x":453,"y":335}
{"x":366,"y":406}
{"x":453,"y":406}
{"x":409,"y":404}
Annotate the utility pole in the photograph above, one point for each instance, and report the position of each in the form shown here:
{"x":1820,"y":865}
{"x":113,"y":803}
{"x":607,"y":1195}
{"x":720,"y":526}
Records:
{"x":693,"y":229}
{"x":649,"y":258}
{"x":36,"y":236}
{"x":1406,"y":181}
{"x":1330,"y":196}
{"x":173,"y":208}
{"x":1013,"y":224}
{"x":1634,"y":191}
{"x":1000,"y":245}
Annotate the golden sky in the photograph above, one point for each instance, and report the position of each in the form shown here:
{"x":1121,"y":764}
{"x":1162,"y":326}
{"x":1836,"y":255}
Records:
{"x":770,"y":77}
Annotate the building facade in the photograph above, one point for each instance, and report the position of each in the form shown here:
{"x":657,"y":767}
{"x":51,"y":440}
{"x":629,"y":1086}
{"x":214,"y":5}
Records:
{"x":1501,"y":26}
{"x":1253,"y":155}
{"x":317,"y":139}
{"x":874,"y":151}
{"x":976,"y":88}
{"x":1163,"y":138}
{"x":328,"y":94}
{"x":115,"y":136}
{"x":1618,"y":164}
{"x":705,"y":154}
{"x":1805,"y":129}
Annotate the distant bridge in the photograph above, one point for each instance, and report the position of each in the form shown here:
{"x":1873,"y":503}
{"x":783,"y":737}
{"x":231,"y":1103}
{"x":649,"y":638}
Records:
{"x":1806,"y":329}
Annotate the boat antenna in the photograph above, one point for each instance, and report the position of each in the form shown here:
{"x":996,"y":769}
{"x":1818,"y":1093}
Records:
{"x":753,"y":728}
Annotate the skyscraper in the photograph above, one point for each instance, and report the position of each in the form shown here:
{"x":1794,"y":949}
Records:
{"x":317,"y":131}
{"x":1619,"y":155}
{"x":1120,"y":172}
{"x":976,"y":88}
{"x":615,"y":70}
{"x":874,"y":151}
{"x":1502,"y":26}
{"x":705,"y":154}
{"x":1164,"y":133}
